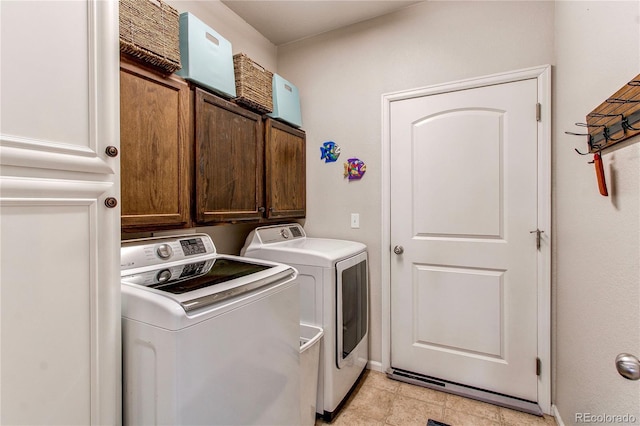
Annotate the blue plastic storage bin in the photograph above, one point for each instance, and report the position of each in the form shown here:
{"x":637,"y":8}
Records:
{"x":286,"y":102}
{"x":206,"y":56}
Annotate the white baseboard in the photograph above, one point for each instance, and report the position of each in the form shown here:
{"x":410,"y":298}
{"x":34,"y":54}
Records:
{"x":375,"y":366}
{"x":556,"y":414}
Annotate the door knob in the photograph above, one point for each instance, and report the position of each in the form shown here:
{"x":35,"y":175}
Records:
{"x":628,"y":366}
{"x":398,"y":249}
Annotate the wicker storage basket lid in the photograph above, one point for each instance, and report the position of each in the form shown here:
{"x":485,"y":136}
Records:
{"x":254,"y":84}
{"x":150,"y":33}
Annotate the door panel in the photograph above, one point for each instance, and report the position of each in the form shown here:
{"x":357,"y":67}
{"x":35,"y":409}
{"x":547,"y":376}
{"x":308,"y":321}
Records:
{"x":481,"y":189}
{"x":154,"y":129}
{"x":35,"y":360}
{"x":470,"y":325}
{"x":285,"y":168}
{"x":54,"y":108}
{"x":229,"y":166}
{"x":463,"y":203}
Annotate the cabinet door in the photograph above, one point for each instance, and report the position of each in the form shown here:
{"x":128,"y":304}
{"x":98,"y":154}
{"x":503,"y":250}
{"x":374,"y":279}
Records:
{"x":155,"y":139}
{"x":59,"y":268}
{"x":228,"y":161}
{"x":285,"y":164}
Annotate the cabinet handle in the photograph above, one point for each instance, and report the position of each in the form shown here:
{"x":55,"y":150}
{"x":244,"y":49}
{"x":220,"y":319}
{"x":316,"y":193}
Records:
{"x":261,"y":209}
{"x":110,"y":202}
{"x":111,"y":151}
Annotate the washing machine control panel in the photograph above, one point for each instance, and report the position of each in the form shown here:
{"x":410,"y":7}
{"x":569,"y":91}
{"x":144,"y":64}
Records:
{"x":155,"y":278}
{"x":152,"y":252}
{"x":279,"y":233}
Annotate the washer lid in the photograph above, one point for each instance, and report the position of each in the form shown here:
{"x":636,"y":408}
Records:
{"x":322,"y":252}
{"x":206,"y":282}
{"x":188,"y":270}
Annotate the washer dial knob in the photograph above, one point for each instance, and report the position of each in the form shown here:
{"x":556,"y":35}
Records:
{"x":164,"y":251}
{"x":163,"y":276}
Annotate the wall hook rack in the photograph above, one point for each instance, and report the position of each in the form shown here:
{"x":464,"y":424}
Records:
{"x":611,"y":122}
{"x":615,"y":119}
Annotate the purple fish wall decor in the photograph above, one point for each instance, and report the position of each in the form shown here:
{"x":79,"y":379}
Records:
{"x":354,"y":168}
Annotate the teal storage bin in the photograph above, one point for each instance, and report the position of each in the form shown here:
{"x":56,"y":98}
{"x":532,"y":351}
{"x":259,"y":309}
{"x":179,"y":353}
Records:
{"x":286,"y":102}
{"x":206,"y":56}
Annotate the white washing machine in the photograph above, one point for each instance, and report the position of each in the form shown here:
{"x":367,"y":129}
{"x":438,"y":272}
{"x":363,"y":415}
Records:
{"x":208,"y":339}
{"x":334,"y":295}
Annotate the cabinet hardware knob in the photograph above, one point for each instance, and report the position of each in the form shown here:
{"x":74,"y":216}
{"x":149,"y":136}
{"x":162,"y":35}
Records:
{"x":111,"y":151}
{"x":261,"y":209}
{"x":111,"y":202}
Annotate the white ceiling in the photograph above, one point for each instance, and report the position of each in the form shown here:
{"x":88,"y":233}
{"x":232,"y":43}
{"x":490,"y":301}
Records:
{"x":284,"y":21}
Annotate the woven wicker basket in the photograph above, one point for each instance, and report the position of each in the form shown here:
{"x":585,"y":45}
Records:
{"x":253,"y":84}
{"x":150,"y":33}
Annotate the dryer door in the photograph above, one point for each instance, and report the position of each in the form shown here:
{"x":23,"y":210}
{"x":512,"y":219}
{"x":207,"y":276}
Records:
{"x":352,"y":305}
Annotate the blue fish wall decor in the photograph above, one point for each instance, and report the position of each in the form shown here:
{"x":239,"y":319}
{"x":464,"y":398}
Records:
{"x":329,"y":152}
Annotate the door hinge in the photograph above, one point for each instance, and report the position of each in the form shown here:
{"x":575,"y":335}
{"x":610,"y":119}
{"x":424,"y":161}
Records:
{"x":538,"y":112}
{"x":538,"y":366}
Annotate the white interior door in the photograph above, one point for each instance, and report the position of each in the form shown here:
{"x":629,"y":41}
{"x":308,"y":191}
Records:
{"x":463,"y":197}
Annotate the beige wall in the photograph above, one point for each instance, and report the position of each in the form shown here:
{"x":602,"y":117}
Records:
{"x":597,"y":239}
{"x":243,"y":37}
{"x":342,"y":75}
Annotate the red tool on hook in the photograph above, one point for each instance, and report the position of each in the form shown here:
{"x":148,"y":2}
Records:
{"x":602,"y":184}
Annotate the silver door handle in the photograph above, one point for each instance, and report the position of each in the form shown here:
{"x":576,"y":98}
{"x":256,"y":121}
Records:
{"x":628,"y":366}
{"x":538,"y":234}
{"x":398,"y":249}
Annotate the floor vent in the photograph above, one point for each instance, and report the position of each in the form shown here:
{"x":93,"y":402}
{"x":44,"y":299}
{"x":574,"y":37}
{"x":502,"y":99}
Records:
{"x":466,"y":391}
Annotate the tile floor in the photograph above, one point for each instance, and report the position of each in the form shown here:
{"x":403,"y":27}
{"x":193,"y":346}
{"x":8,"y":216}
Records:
{"x":379,"y":400}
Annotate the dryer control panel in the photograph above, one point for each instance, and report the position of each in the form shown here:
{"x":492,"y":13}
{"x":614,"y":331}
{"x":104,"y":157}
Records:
{"x":279,"y":233}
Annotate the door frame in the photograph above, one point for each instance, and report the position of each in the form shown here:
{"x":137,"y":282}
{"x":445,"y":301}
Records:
{"x":543,"y":76}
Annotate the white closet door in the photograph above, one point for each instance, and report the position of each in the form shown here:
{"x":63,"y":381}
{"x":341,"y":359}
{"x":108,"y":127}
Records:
{"x":59,"y":249}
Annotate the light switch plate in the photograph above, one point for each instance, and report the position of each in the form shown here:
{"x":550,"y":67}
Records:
{"x":355,"y":220}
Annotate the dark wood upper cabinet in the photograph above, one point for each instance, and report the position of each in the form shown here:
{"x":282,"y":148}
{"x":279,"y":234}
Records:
{"x":228,"y":158}
{"x":189,"y":157}
{"x":285,"y":164}
{"x":155,"y":145}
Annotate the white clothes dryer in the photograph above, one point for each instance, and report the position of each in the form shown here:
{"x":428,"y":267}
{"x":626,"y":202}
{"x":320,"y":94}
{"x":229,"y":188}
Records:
{"x":334,"y":295}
